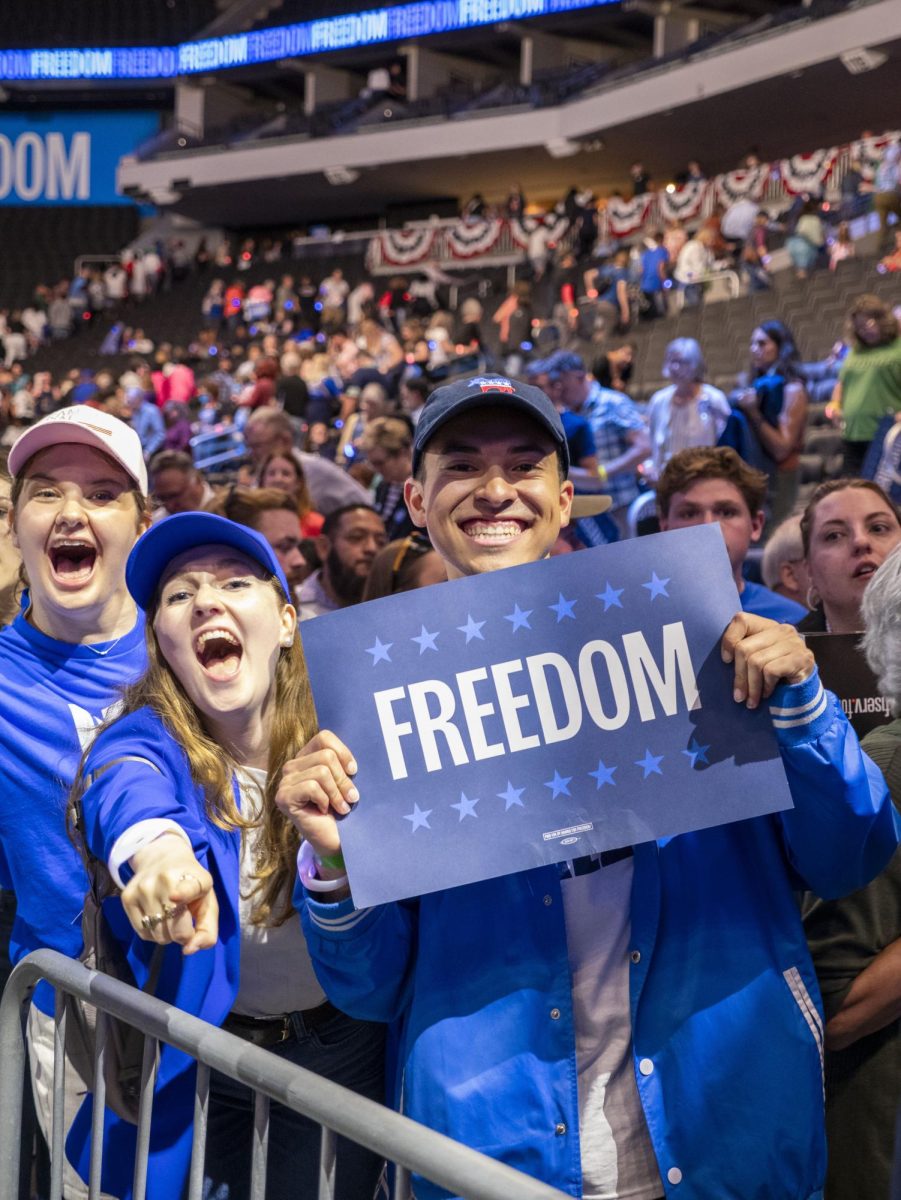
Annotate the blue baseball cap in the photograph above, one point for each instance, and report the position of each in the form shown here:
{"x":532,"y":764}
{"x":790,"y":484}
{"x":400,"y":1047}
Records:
{"x":562,"y":361}
{"x":154,"y":550}
{"x":487,"y":391}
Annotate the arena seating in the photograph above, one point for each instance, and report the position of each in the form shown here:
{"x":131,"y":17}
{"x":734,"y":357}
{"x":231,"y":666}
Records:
{"x":40,"y":245}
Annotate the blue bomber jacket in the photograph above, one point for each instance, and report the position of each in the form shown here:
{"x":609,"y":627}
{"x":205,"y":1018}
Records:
{"x":145,"y":774}
{"x":727,"y":1023}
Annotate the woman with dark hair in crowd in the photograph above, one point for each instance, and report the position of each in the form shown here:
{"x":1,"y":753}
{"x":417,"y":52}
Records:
{"x":869,"y":381}
{"x":774,"y":403}
{"x":283,"y":471}
{"x":177,"y":799}
{"x":855,"y":943}
{"x":848,"y":529}
{"x":402,"y":566}
{"x":613,"y":368}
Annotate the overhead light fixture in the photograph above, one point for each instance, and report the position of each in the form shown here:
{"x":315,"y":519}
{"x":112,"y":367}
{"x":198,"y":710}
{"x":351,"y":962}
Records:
{"x":338,"y":176}
{"x":562,"y":147}
{"x":858,"y":61}
{"x":164,"y":195}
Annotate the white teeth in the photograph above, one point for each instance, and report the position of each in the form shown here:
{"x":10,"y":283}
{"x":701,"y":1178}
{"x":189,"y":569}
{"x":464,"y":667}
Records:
{"x":493,"y":529}
{"x":216,"y":633}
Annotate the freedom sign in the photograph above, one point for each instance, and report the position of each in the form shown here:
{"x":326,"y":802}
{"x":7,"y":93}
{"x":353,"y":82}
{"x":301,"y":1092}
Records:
{"x":541,"y":713}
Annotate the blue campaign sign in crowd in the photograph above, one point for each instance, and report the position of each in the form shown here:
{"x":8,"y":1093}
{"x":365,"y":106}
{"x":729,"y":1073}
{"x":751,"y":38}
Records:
{"x":564,"y":716}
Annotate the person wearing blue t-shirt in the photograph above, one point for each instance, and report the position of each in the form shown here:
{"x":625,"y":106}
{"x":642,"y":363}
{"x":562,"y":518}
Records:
{"x":705,"y":484}
{"x":654,"y":268}
{"x":78,"y":505}
{"x":612,"y":286}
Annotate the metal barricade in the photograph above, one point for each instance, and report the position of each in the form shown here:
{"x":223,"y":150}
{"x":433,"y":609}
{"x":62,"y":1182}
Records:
{"x":412,"y":1147}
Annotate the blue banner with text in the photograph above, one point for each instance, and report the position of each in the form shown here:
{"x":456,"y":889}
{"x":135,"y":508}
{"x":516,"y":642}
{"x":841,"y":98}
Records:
{"x":68,"y":158}
{"x":541,"y":713}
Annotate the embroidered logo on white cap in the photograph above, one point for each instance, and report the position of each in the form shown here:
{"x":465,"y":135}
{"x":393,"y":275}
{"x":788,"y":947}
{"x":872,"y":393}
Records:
{"x":83,"y":426}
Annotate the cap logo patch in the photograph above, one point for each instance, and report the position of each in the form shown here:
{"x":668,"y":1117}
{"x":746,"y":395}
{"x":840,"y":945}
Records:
{"x":493,"y":385}
{"x":74,"y":416}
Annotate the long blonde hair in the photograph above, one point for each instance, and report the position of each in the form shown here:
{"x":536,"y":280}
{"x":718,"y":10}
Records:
{"x":212,"y":767}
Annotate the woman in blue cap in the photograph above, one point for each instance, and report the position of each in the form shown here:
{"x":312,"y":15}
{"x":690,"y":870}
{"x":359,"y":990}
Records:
{"x":178,"y":802}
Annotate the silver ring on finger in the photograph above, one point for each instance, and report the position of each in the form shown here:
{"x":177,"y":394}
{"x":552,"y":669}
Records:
{"x":187,"y":875}
{"x":151,"y":920}
{"x":169,"y":911}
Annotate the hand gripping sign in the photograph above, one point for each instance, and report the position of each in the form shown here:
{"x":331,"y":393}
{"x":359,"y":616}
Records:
{"x":541,"y":713}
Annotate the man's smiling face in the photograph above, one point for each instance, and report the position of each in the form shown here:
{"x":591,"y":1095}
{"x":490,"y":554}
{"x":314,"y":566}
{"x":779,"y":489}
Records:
{"x":489,"y":491}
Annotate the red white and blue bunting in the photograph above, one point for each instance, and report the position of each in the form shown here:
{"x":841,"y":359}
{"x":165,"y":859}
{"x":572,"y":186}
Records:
{"x":684,"y":203}
{"x":626,"y":216}
{"x":869,"y":151}
{"x":742,"y":185}
{"x":470,"y":239}
{"x":770,"y":184}
{"x":402,"y":247}
{"x":522,"y":227}
{"x":807,"y":173}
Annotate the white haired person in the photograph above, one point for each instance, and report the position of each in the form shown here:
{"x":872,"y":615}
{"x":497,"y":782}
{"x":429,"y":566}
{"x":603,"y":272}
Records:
{"x":689,"y":412}
{"x":177,"y":798}
{"x":78,"y":503}
{"x":856,"y":947}
{"x":784,"y":566}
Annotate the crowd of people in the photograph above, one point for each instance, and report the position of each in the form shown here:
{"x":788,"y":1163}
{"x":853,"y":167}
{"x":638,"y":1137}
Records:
{"x":366,"y":442}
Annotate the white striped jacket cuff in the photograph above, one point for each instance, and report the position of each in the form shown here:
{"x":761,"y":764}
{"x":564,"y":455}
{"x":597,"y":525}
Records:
{"x":801,"y":712}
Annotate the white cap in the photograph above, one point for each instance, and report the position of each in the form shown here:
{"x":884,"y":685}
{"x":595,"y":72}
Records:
{"x":83,"y":426}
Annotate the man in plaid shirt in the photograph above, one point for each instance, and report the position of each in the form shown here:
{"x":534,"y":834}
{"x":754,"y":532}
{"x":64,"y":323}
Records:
{"x":620,"y":432}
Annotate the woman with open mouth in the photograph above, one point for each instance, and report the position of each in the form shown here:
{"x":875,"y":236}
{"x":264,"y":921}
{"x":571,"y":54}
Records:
{"x":178,"y":800}
{"x":849,"y":528}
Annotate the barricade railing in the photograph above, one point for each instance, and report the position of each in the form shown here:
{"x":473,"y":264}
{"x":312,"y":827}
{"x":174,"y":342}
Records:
{"x":413,"y":1148}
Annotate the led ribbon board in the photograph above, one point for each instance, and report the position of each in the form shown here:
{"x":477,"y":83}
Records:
{"x":283,"y":41}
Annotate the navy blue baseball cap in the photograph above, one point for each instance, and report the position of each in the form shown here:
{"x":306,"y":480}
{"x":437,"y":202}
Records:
{"x":487,"y":391}
{"x":155,"y":549}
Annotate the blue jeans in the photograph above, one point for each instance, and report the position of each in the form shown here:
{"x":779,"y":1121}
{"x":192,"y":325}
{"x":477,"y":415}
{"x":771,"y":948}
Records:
{"x":346,"y":1051}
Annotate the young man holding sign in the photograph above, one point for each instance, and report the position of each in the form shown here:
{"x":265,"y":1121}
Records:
{"x":642,"y":1023}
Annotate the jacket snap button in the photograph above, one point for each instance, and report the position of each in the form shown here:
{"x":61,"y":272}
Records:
{"x":560,"y":1129}
{"x":646,"y":1066}
{"x":555,"y":1014}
